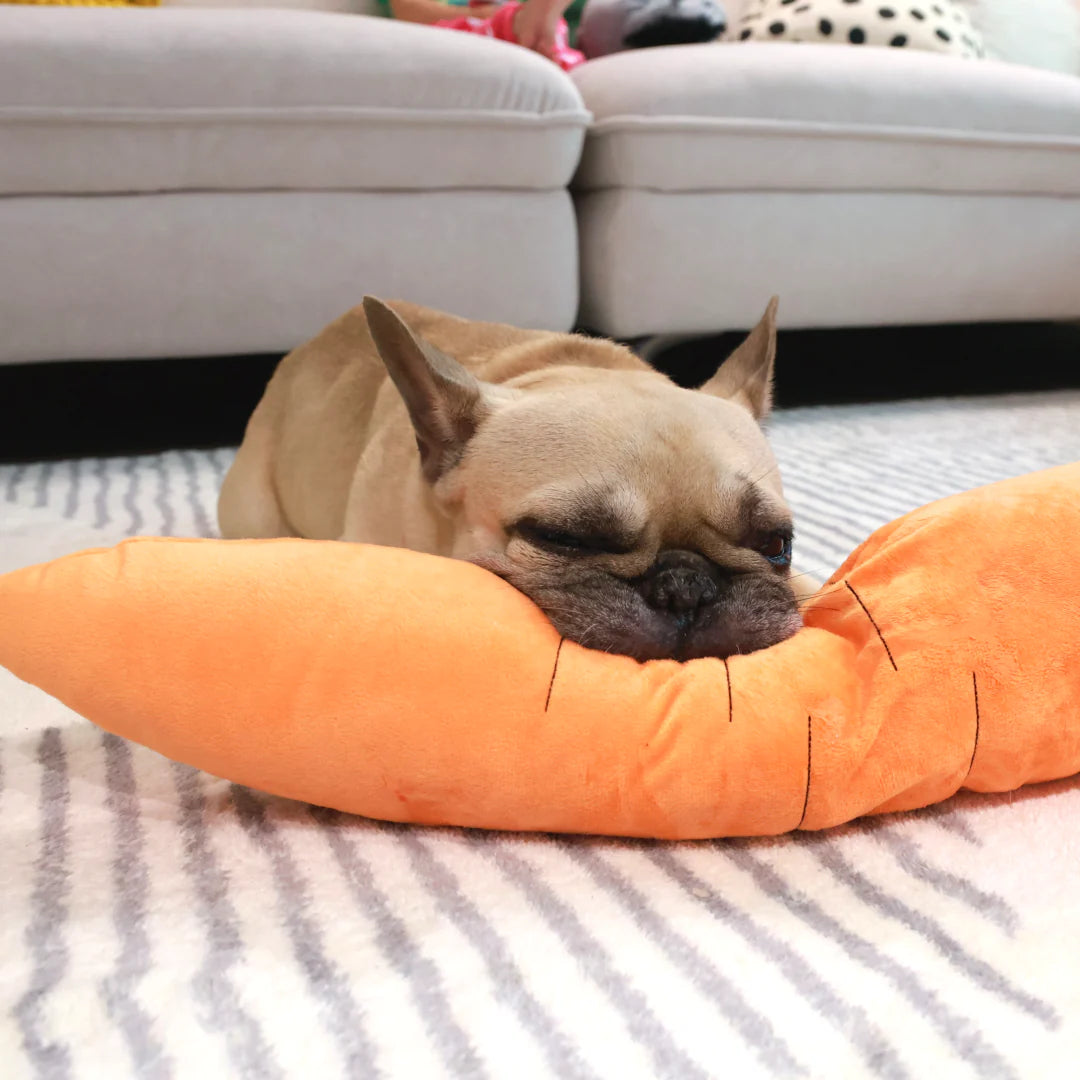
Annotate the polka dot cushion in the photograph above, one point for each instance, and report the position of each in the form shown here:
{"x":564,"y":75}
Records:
{"x":933,"y":25}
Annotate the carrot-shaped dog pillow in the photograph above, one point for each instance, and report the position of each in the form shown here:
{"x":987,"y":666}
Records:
{"x":944,"y":654}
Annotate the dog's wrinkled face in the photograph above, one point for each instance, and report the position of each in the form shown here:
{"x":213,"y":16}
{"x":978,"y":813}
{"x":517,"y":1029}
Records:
{"x":648,"y":521}
{"x":642,"y":518}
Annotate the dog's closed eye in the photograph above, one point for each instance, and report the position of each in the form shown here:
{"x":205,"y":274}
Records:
{"x":569,"y":540}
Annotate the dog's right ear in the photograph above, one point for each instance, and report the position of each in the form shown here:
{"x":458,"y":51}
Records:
{"x":746,"y":376}
{"x":445,"y":401}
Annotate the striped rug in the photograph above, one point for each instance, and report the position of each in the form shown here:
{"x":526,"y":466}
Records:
{"x":157,"y":922}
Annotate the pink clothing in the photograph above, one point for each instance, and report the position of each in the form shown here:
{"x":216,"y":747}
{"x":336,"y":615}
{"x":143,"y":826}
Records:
{"x":501,"y":26}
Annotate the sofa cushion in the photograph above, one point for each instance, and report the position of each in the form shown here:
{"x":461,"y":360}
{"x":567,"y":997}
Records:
{"x":793,"y":117}
{"x":174,"y":99}
{"x":215,"y":273}
{"x":658,"y":262}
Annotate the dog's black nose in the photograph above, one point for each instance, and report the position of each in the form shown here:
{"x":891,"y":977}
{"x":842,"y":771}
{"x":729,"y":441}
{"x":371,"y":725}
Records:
{"x":680,"y":582}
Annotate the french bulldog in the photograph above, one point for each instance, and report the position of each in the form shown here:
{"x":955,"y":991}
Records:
{"x":643,"y":518}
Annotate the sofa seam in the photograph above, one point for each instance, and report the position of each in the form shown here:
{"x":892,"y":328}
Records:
{"x":343,"y":114}
{"x":581,"y":190}
{"x":810,"y":129}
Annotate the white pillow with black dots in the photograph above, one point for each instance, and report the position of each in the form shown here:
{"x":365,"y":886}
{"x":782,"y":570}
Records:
{"x":931,"y":25}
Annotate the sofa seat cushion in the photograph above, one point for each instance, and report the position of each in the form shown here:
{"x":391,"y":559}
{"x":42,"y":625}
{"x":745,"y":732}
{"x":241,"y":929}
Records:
{"x":95,"y":101}
{"x":797,"y":117}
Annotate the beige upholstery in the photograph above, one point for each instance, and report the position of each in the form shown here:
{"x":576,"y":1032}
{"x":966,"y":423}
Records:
{"x":183,"y":182}
{"x":789,"y":117}
{"x":174,"y":100}
{"x":216,"y":273}
{"x":864,"y":186}
{"x":193,"y":182}
{"x":695,"y":262}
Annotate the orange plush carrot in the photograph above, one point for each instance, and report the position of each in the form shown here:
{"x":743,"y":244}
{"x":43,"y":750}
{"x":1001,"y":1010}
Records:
{"x":944,"y":654}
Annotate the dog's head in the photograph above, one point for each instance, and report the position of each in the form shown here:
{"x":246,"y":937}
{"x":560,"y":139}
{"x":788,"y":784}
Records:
{"x":643,"y":518}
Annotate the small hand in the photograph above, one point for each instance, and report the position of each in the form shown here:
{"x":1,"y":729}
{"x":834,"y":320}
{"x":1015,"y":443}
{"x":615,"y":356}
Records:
{"x":534,"y":27}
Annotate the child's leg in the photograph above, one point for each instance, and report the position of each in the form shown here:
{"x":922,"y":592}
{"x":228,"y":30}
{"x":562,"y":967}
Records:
{"x":501,"y":26}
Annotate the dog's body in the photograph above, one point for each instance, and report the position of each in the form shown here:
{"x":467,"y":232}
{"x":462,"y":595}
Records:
{"x":642,"y":517}
{"x":330,"y":452}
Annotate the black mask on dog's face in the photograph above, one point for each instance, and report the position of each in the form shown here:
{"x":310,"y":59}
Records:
{"x":642,"y":517}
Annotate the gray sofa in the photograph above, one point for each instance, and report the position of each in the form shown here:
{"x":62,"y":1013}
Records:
{"x":179,"y":182}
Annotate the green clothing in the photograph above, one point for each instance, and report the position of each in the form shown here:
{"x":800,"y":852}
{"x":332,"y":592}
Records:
{"x":572,"y":15}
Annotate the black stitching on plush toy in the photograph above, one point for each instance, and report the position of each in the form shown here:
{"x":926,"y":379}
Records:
{"x":730,"y":707}
{"x":888,"y":651}
{"x":809,"y":759}
{"x":975,"y":749}
{"x":554,"y":670}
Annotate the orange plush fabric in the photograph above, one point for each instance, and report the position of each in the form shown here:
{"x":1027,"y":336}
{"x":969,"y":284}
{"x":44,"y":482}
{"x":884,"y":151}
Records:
{"x":945,"y":654}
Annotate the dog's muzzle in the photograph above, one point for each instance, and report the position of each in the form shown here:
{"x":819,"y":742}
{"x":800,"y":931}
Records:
{"x":680,"y":583}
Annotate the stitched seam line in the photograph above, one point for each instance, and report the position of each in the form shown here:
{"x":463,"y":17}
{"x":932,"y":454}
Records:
{"x":286,"y":114}
{"x":975,"y":748}
{"x":554,"y":671}
{"x":877,"y":629}
{"x":818,"y":129}
{"x":809,"y":760}
{"x":730,"y":704}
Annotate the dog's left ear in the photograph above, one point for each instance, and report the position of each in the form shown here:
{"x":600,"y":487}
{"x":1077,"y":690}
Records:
{"x":746,"y":376}
{"x":445,"y":401}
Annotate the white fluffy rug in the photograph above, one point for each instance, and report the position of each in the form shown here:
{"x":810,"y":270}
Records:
{"x":157,"y":922}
